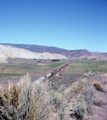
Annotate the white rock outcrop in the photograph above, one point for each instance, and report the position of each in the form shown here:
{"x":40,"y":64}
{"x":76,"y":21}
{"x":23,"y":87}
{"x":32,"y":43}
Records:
{"x":13,"y":52}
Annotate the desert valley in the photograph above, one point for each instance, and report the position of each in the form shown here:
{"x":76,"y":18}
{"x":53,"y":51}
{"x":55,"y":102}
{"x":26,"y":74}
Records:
{"x":53,"y":59}
{"x":49,"y":83}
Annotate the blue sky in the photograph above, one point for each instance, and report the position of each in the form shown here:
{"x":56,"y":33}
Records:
{"x":69,"y":24}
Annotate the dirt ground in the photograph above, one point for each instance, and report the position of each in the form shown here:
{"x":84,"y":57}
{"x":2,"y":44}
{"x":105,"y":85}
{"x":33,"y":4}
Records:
{"x":65,"y":79}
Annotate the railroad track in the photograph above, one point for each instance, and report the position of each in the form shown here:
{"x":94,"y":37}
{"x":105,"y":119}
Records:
{"x":50,"y":75}
{"x":42,"y":79}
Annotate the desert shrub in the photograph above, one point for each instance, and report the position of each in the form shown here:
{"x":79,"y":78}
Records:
{"x":62,"y":112}
{"x":59,"y":103}
{"x":17,"y":104}
{"x":29,"y":102}
{"x":78,"y":88}
{"x":100,"y":102}
{"x":84,"y":100}
{"x":89,"y":97}
{"x":98,"y":86}
{"x":89,"y":74}
{"x":79,"y":110}
{"x":88,"y":92}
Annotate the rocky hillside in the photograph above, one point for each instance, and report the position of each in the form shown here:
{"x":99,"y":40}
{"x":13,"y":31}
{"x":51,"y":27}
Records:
{"x":72,"y":54}
{"x":13,"y":52}
{"x":104,"y":54}
{"x":38,"y":48}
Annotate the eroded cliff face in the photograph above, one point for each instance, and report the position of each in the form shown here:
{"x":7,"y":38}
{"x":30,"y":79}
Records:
{"x":13,"y":52}
{"x":50,"y":49}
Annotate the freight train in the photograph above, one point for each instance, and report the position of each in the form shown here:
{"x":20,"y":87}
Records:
{"x":49,"y":75}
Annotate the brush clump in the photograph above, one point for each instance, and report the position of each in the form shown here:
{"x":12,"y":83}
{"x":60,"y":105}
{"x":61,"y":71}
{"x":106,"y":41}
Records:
{"x":25,"y":101}
{"x":98,"y":86}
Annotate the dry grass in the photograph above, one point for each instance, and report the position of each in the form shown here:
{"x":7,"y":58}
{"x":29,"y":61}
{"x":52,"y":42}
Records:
{"x":25,"y":101}
{"x":98,"y":86}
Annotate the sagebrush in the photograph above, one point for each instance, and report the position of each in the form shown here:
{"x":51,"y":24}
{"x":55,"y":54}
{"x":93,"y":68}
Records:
{"x":29,"y":102}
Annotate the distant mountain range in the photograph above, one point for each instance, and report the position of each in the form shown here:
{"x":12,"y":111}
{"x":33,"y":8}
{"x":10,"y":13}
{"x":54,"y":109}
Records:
{"x":38,"y":48}
{"x":72,"y":54}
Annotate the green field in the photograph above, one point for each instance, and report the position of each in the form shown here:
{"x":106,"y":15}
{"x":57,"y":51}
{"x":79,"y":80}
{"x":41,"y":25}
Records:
{"x":86,"y":66}
{"x":10,"y":74}
{"x":44,"y":67}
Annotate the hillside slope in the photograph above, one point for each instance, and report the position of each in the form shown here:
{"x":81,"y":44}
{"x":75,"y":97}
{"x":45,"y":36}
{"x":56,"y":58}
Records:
{"x":38,"y":48}
{"x":13,"y":52}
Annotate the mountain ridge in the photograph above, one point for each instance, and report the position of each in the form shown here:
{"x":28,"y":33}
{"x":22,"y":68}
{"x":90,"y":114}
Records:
{"x":14,"y":52}
{"x":40,"y":48}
